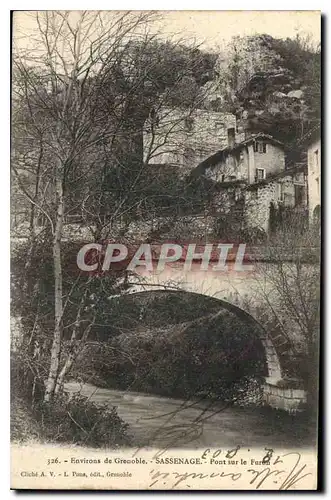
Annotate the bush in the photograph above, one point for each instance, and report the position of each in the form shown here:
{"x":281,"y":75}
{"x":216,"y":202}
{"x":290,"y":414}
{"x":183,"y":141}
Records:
{"x":66,"y":419}
{"x":216,"y":360}
{"x":77,"y":420}
{"x":23,"y":426}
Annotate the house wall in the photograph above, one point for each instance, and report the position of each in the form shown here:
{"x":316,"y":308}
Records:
{"x":257,"y":201}
{"x":243,"y":164}
{"x":257,"y":205}
{"x":228,"y":168}
{"x":272,"y":161}
{"x":314,"y":176}
{"x":251,"y":164}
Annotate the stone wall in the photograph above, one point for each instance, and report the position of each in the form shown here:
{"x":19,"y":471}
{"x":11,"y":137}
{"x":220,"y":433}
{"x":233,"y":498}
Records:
{"x":268,"y":394}
{"x":284,"y":398}
{"x":184,"y":137}
{"x":259,"y":197}
{"x":257,"y":205}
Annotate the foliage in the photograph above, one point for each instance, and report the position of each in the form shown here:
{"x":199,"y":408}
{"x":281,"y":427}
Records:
{"x":256,"y":78}
{"x":35,"y":308}
{"x":23,"y":426}
{"x":78,"y":150}
{"x":81,"y":101}
{"x":77,"y":420}
{"x":293,"y":293}
{"x":166,"y":356}
{"x":32,"y":285}
{"x":68,"y":419}
{"x":282,"y":216}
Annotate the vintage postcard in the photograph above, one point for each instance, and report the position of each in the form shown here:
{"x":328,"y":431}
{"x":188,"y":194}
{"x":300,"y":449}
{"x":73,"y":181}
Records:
{"x":165,"y":250}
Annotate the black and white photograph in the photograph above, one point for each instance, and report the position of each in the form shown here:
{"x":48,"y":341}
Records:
{"x":165,"y":233}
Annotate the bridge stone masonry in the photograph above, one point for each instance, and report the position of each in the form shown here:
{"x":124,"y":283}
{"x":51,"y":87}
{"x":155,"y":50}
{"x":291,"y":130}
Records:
{"x":239,"y":293}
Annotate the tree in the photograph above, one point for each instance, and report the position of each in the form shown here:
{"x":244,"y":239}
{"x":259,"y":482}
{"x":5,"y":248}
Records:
{"x":288,"y":287}
{"x":81,"y":99}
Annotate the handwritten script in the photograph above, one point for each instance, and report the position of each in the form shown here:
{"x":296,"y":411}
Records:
{"x":286,"y":471}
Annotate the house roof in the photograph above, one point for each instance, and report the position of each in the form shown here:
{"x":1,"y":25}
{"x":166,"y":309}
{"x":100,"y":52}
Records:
{"x":260,"y":135}
{"x":223,"y":153}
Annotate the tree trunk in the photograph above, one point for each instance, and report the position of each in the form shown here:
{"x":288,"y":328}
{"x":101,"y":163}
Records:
{"x":58,"y":309}
{"x":73,"y":348}
{"x":72,"y":356}
{"x":65,"y":369}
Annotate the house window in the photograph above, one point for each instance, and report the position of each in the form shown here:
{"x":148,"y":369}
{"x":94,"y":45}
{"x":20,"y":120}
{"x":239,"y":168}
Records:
{"x":260,"y":174}
{"x":316,"y":158}
{"x":260,"y":147}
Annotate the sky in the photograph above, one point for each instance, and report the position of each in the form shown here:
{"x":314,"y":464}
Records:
{"x":214,"y":28}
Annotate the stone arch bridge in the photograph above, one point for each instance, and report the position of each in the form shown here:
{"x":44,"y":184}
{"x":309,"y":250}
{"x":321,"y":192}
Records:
{"x":238,"y":293}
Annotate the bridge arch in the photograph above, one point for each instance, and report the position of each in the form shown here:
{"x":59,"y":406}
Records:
{"x":271,"y":356}
{"x":279,"y":391}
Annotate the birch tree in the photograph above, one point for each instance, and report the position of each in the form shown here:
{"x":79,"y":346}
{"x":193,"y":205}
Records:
{"x":81,"y":95}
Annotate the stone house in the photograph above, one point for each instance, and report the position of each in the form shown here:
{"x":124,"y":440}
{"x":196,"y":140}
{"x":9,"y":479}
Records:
{"x":251,"y":160}
{"x":287,"y":188}
{"x":258,"y":165}
{"x":184,"y":137}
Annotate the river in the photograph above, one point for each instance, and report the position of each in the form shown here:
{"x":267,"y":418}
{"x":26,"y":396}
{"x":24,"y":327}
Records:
{"x":159,"y":421}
